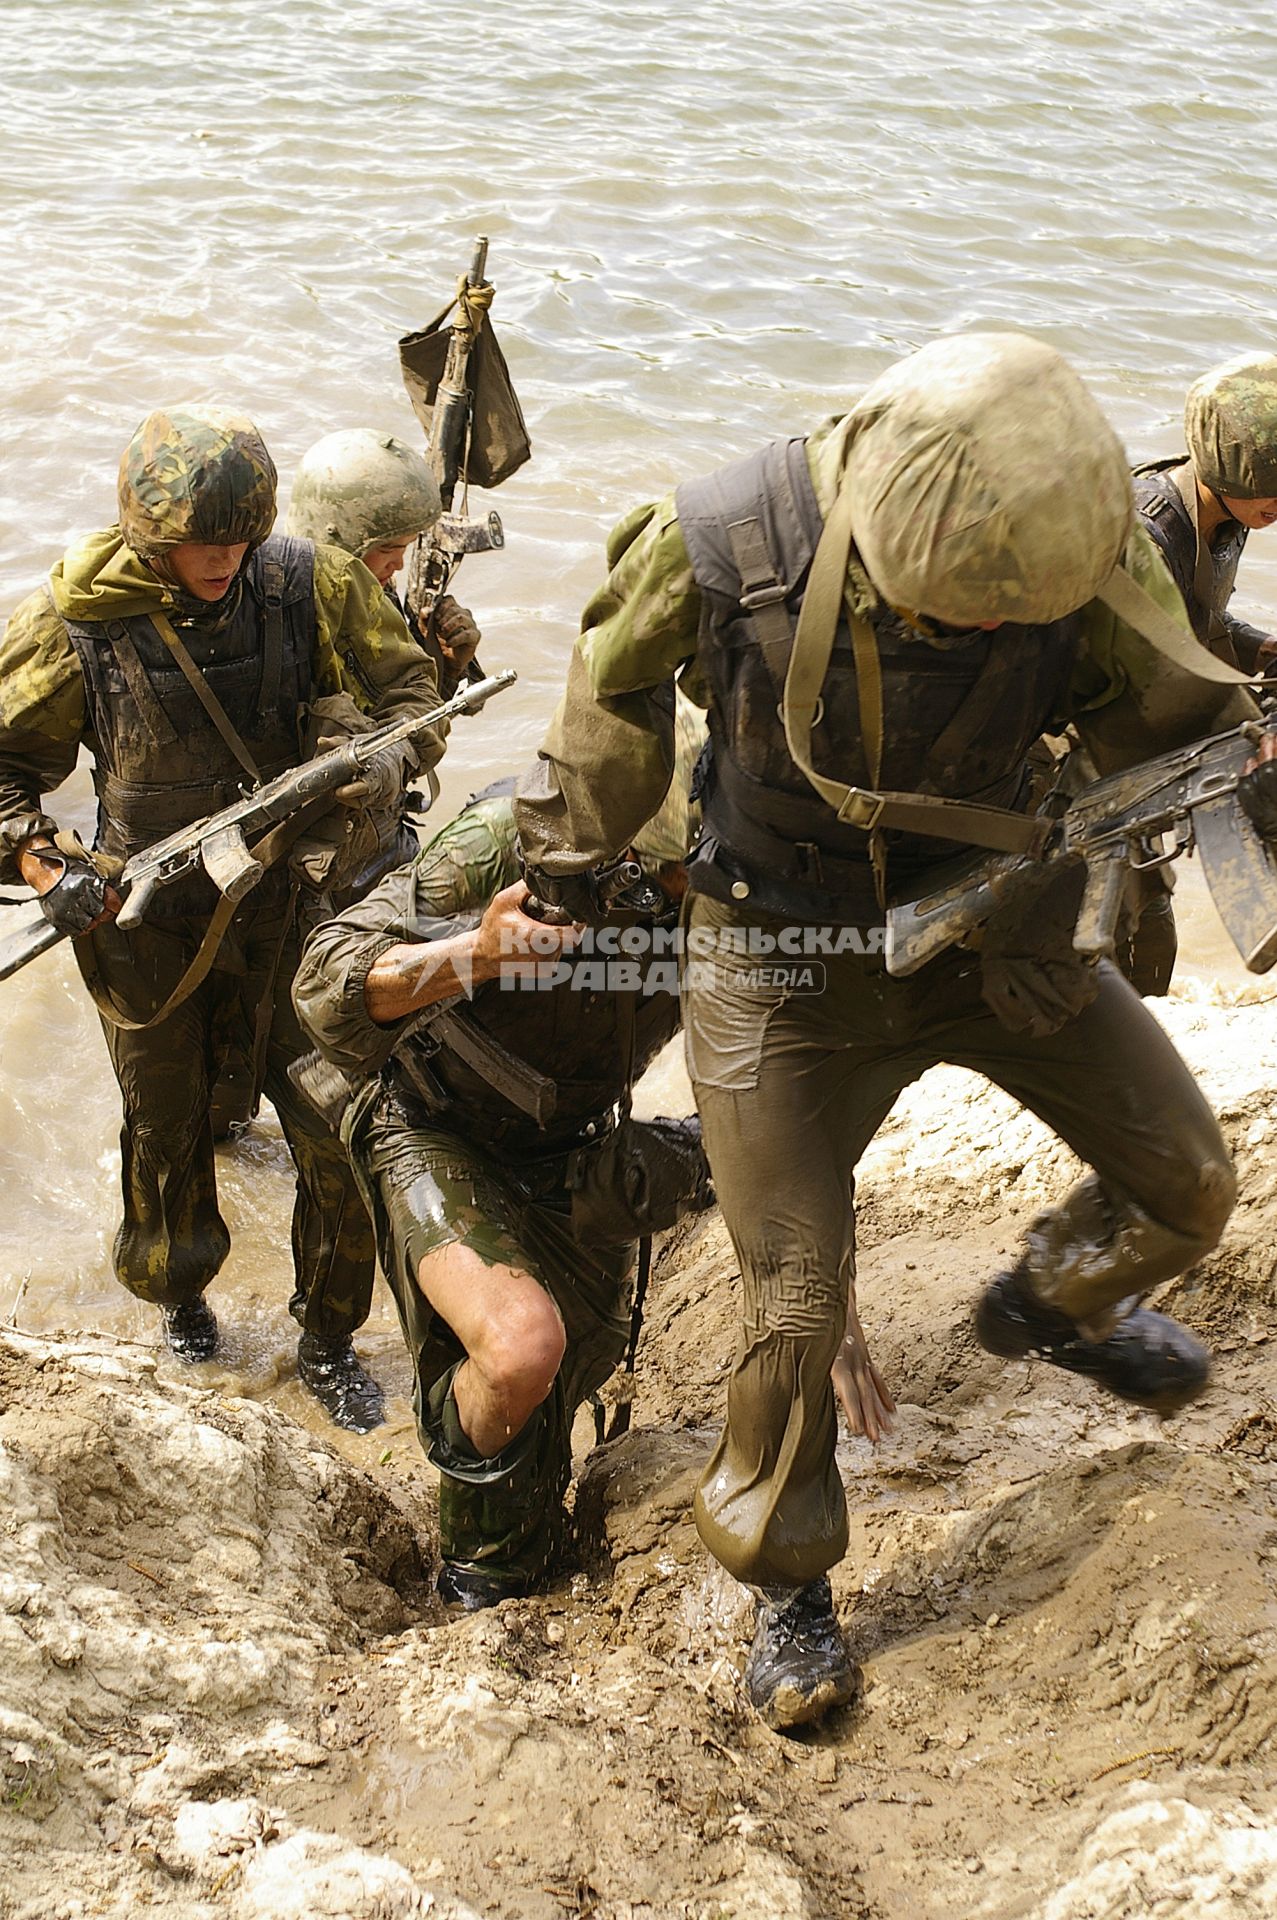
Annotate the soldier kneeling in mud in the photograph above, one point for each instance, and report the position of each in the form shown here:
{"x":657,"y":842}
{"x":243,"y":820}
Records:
{"x":490,"y":1134}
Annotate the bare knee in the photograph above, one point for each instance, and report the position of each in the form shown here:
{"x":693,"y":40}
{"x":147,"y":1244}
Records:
{"x":519,"y":1353}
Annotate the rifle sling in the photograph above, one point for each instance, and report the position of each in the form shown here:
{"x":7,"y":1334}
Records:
{"x":206,"y":697}
{"x":996,"y":828}
{"x":267,"y":850}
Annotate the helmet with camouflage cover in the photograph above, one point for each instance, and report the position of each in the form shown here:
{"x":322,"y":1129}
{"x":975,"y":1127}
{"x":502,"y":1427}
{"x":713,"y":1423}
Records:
{"x":1231,"y":421}
{"x":986,"y":484}
{"x":195,"y":473}
{"x":358,"y":489}
{"x":672,"y":830}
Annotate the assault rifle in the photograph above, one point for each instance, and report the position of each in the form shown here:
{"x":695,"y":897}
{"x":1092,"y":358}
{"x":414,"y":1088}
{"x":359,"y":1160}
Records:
{"x":219,"y":844}
{"x":1116,"y":827}
{"x":460,"y":389}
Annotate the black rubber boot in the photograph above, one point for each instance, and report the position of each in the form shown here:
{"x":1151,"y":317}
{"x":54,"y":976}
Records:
{"x":190,"y":1331}
{"x":800,"y":1667}
{"x":465,"y":1587}
{"x":1148,"y":1359}
{"x":333,"y":1372}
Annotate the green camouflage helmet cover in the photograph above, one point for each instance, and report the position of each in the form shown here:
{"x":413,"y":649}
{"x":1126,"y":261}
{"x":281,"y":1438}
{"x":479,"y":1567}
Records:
{"x":195,"y":473}
{"x":671,"y":832}
{"x":1231,"y":422}
{"x":986,"y":483}
{"x":358,"y":489}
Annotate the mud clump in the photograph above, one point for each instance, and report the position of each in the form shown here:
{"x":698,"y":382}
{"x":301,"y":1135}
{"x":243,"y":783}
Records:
{"x":225,"y":1689}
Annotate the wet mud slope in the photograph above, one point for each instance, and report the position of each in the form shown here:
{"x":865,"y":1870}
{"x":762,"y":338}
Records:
{"x":225,"y":1688}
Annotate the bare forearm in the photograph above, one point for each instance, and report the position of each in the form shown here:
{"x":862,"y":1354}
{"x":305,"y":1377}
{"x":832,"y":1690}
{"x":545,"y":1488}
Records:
{"x":419,"y":974}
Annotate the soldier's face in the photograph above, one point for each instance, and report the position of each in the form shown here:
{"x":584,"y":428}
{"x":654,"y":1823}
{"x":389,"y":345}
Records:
{"x":384,"y":562}
{"x":1255,"y":514}
{"x":203,"y":570}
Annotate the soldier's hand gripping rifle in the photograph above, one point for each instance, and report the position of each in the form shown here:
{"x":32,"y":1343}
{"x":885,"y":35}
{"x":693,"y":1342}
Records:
{"x":460,"y":390}
{"x":219,"y":844}
{"x":1117,"y":826}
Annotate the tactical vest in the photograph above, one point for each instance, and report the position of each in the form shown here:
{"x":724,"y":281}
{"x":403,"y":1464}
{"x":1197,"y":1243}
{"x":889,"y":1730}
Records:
{"x":1162,"y":507}
{"x":160,"y":763}
{"x":571,"y":1051}
{"x":960,"y":714}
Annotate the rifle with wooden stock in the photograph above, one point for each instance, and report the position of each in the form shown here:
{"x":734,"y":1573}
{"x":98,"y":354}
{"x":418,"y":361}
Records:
{"x":219,"y":844}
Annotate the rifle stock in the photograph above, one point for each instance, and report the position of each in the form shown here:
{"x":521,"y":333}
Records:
{"x":218,"y":843}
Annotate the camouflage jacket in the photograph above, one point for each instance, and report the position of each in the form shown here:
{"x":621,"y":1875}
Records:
{"x":362,"y":649}
{"x":578,"y":1033}
{"x":605,"y":763}
{"x":1162,"y":508}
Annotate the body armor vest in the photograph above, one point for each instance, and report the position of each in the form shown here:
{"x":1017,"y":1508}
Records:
{"x":960,"y":714}
{"x":1161,"y":506}
{"x":587,"y":1044}
{"x":159,"y":762}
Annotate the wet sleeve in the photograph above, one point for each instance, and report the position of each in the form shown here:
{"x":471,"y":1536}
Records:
{"x":606,"y":762}
{"x":42,"y":718}
{"x":363,"y":647}
{"x":1127,"y":701}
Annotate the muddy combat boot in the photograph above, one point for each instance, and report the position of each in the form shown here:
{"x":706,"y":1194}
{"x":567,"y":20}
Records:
{"x":466,"y":1587}
{"x":1148,"y":1359}
{"x":799,"y":1667}
{"x":332,"y":1371}
{"x":190,"y":1331}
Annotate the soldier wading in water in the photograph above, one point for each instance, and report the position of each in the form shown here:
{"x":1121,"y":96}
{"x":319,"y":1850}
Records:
{"x":903,"y":601}
{"x":190,"y":651}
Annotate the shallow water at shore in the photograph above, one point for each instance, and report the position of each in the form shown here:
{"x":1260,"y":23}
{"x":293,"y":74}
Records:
{"x":708,"y":227}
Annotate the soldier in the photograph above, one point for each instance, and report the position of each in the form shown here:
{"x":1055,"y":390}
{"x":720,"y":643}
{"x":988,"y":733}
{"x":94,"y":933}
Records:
{"x":493,"y":1145}
{"x":372,"y":495}
{"x":185,"y":649}
{"x":1199,"y":509}
{"x":1201,"y":506}
{"x":903,"y":601}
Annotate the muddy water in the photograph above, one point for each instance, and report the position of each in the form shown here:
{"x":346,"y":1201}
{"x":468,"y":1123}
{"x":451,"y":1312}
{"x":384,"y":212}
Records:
{"x":708,"y":226}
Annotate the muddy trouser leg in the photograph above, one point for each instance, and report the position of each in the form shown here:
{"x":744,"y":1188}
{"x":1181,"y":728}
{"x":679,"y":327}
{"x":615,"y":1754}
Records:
{"x":334,"y":1258}
{"x":172,"y":1238}
{"x":790,"y":1088}
{"x":1113,"y":1087}
{"x":502,"y":1515}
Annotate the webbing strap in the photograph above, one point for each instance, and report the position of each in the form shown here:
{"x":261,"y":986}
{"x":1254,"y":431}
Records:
{"x":205,"y":695}
{"x":267,"y":850}
{"x":863,"y":807}
{"x":762,"y":595}
{"x":148,"y":702}
{"x":1184,"y":480}
{"x":1125,"y":597}
{"x":272,"y":636}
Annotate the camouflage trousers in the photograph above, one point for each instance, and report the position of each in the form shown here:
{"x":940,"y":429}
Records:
{"x":792,"y":1086}
{"x":172,"y":1238}
{"x":427,"y":1188}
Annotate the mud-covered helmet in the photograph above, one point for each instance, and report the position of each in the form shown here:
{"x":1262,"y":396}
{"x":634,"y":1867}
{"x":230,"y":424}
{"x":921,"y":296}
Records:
{"x":671,"y":832}
{"x":359,"y":489}
{"x":195,"y":473}
{"x":986,"y":483}
{"x":1230,"y":418}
